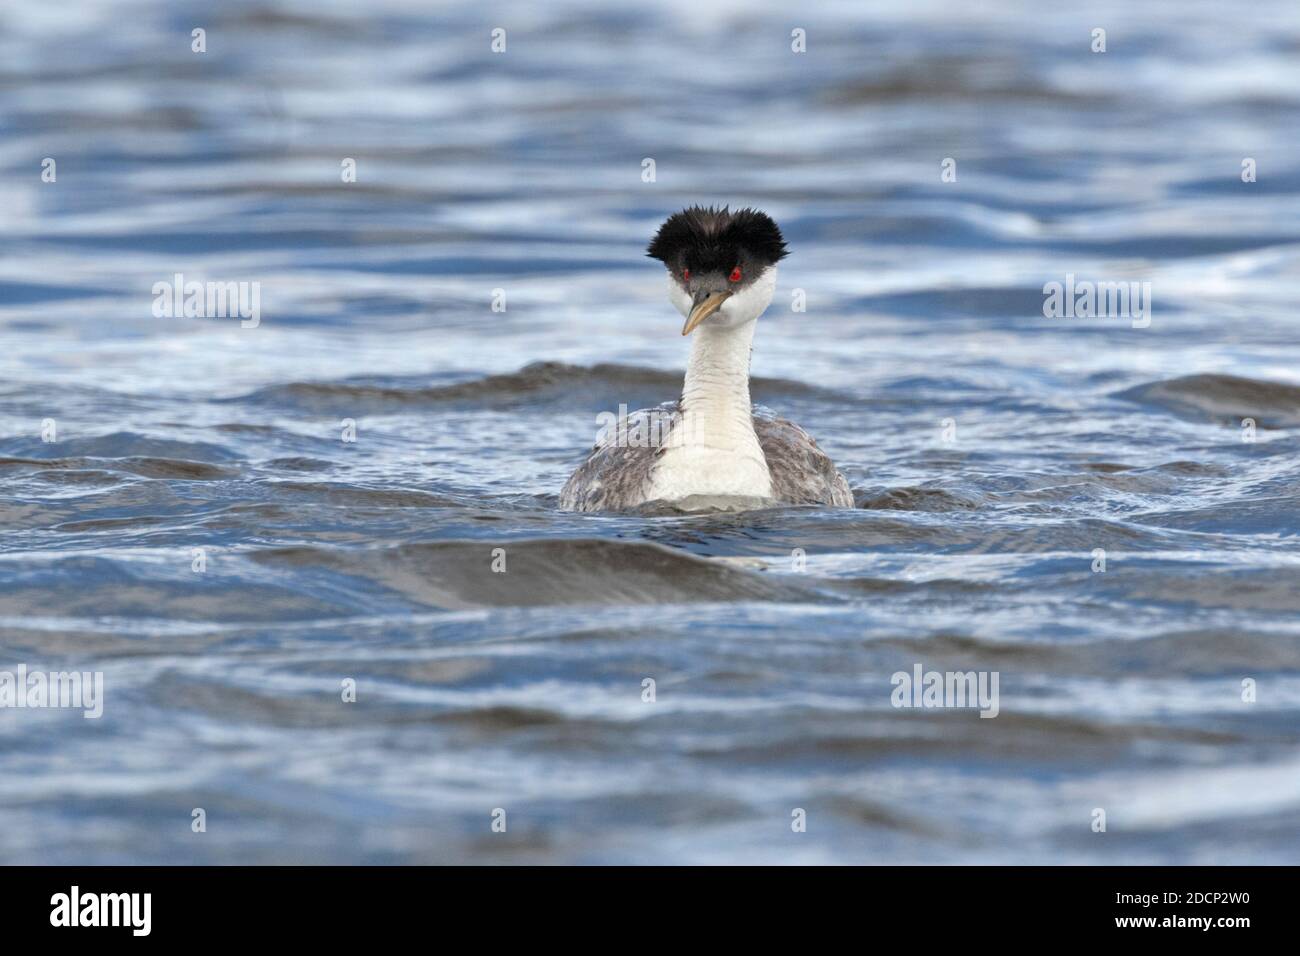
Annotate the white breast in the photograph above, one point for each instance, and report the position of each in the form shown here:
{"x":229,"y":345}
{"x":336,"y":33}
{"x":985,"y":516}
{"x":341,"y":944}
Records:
{"x":684,"y":472}
{"x":712,"y":449}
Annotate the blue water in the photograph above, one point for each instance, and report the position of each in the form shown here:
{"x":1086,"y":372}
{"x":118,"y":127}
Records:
{"x":973,"y":546}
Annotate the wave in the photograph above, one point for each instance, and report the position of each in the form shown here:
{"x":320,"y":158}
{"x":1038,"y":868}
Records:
{"x":1222,"y":398}
{"x":583,"y":571}
{"x":535,"y":383}
{"x":117,"y":445}
{"x":918,"y":499}
{"x":350,"y":496}
{"x":76,"y":470}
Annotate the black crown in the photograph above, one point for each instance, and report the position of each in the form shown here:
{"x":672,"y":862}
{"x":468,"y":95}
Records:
{"x":717,"y":239}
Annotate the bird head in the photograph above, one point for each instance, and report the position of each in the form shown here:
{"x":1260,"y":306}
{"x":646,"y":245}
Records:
{"x":721,"y":264}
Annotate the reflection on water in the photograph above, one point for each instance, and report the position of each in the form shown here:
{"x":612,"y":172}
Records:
{"x":1167,"y":455}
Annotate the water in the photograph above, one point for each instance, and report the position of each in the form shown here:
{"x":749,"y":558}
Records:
{"x":371,"y":560}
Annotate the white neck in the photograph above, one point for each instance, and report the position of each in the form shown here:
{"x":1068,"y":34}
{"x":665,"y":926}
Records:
{"x":712,"y":448}
{"x":715,"y":395}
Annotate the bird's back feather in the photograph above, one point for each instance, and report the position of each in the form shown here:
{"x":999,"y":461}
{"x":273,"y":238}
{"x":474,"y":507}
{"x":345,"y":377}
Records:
{"x":617,"y":473}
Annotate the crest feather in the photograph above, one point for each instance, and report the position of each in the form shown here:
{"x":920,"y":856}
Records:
{"x":712,"y":236}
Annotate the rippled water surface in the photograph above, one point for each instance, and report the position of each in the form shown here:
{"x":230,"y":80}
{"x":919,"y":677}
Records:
{"x":972,"y":547}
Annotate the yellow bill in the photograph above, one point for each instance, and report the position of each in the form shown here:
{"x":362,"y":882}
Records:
{"x":703,"y":310}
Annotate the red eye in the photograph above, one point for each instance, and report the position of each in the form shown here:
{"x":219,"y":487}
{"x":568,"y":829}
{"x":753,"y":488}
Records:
{"x":686,"y":275}
{"x":735,"y":274}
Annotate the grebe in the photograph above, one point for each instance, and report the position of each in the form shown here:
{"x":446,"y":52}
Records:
{"x":711,"y":448}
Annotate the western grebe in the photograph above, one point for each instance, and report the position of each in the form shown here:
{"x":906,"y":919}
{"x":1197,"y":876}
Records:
{"x":712,"y":443}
